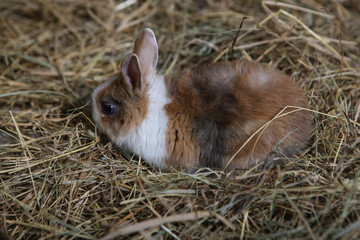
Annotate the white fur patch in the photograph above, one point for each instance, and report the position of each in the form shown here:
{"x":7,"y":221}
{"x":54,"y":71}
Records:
{"x":149,"y":140}
{"x":95,"y":112}
{"x":261,"y":77}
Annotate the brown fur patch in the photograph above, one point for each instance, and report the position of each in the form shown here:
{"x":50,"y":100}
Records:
{"x":132,"y":108}
{"x":181,"y":146}
{"x":216,"y":108}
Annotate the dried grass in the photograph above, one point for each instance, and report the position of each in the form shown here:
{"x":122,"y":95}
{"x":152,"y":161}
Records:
{"x":59,"y":181}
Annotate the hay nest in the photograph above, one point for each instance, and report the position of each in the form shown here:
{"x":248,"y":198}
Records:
{"x":60,"y":180}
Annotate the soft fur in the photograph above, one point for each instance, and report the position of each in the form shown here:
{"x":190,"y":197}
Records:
{"x":149,"y":139}
{"x":201,"y":117}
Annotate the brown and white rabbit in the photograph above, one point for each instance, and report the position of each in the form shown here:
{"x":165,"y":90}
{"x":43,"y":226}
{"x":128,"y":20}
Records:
{"x":203,"y":117}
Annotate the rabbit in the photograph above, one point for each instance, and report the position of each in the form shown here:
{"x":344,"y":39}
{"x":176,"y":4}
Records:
{"x":224,"y":115}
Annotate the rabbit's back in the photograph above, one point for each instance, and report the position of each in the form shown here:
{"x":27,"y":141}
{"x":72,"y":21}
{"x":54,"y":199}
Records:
{"x":215,"y":109}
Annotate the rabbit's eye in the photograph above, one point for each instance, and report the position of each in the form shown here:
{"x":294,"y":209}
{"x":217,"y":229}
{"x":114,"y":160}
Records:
{"x":108,"y":108}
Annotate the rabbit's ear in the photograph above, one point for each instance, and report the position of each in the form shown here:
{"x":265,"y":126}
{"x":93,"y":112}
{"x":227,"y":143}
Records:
{"x":146,"y":48}
{"x":131,"y":70}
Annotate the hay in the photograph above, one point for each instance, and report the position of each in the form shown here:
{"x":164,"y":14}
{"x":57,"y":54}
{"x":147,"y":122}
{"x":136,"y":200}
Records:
{"x":60,"y":181}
